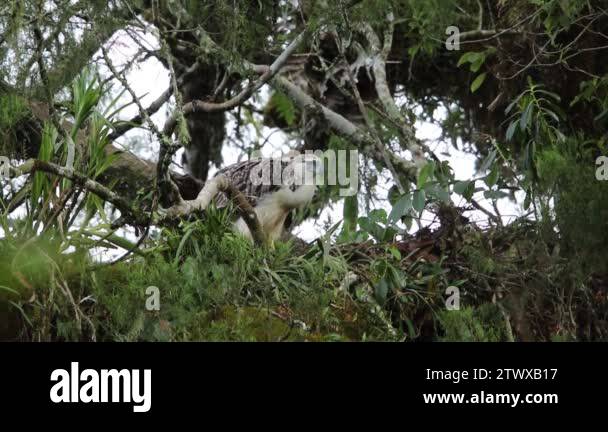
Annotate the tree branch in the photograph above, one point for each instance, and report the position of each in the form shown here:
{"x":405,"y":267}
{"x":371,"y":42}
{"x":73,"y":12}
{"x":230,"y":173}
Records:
{"x":139,"y":119}
{"x":33,"y":165}
{"x":267,"y":74}
{"x":344,"y":127}
{"x":380,"y":55}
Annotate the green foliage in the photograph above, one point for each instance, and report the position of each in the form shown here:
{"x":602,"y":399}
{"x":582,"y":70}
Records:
{"x":558,"y":15}
{"x":594,"y":92}
{"x":376,"y":225}
{"x":242,"y":25}
{"x":284,"y":107}
{"x":560,"y":171}
{"x":535,"y":117}
{"x":214,"y":285}
{"x":13,"y":109}
{"x":482,"y":324}
{"x":401,"y":209}
{"x":427,"y":21}
{"x":432,"y":185}
{"x":351,"y":213}
{"x":580,"y":207}
{"x":476,"y":61}
{"x":86,"y":93}
{"x":377,"y":281}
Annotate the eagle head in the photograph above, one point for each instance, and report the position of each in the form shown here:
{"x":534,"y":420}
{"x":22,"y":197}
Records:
{"x":293,"y":188}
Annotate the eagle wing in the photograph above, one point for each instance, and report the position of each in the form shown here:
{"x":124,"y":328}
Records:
{"x":240,"y":175}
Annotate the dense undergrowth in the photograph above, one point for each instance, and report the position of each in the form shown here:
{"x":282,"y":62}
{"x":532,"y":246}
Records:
{"x":214,"y":285}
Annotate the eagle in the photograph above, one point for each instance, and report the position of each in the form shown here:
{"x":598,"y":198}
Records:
{"x":272,"y":186}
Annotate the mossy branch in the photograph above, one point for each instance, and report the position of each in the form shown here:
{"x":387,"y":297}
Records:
{"x":130,"y":212}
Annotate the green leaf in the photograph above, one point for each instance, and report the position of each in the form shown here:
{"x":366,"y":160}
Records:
{"x":478,"y":82}
{"x":465,"y":188}
{"x":495,"y":194}
{"x":381,"y":291}
{"x":476,"y":65}
{"x":492,"y":178}
{"x":401,"y":207}
{"x":476,"y":60}
{"x":372,"y":228}
{"x":350,"y":212}
{"x":389,"y":235}
{"x":526,"y":117}
{"x":461,"y":186}
{"x":408,"y":221}
{"x":550,"y":94}
{"x":393,"y":195}
{"x":419,"y":200}
{"x":443,"y":195}
{"x":395,"y":253}
{"x":512,"y":104}
{"x":426,"y":173}
{"x":413,"y":50}
{"x":378,"y":215}
{"x":488,"y":161}
{"x":600,"y":116}
{"x":285,"y":107}
{"x":511,"y":130}
{"x":435,"y":190}
{"x":468,"y":57}
{"x":552,"y":115}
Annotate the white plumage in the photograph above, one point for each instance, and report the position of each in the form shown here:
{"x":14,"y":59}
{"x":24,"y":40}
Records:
{"x":273,"y":200}
{"x":273,"y":208}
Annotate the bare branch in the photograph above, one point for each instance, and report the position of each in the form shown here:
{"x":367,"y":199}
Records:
{"x":267,"y":74}
{"x":344,"y":127}
{"x":139,"y":119}
{"x":142,"y":112}
{"x":380,"y":55}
